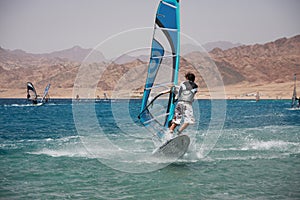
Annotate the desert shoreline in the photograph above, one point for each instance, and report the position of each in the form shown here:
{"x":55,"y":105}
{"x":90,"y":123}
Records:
{"x":240,"y":91}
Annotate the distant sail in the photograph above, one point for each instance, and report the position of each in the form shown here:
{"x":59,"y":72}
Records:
{"x":105,"y":96}
{"x":157,"y":108}
{"x":31,"y":93}
{"x":257,"y":96}
{"x":46,"y":92}
{"x":294,"y":97}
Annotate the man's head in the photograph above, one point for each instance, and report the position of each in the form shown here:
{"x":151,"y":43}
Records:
{"x":190,"y":76}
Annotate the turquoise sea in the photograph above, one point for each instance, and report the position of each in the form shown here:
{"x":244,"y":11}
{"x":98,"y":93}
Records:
{"x":45,"y":154}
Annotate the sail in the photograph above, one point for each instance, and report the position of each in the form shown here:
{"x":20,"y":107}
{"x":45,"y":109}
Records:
{"x":31,"y":93}
{"x":294,"y":97}
{"x":257,"y":96}
{"x":157,"y":107}
{"x":105,"y":96}
{"x":46,"y":92}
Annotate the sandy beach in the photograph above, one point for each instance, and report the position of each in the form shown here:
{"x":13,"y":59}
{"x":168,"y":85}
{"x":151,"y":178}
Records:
{"x":240,"y":91}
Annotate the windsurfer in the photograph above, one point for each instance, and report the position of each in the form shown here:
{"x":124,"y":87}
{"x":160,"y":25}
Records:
{"x":184,"y":109}
{"x":298,"y":101}
{"x":34,"y":101}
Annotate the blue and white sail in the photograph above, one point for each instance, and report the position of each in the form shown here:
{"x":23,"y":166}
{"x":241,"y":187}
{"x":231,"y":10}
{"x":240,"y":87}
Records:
{"x":46,"y":93}
{"x":157,"y":107}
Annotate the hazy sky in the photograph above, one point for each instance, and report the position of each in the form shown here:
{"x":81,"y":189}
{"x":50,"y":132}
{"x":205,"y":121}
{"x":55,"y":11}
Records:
{"x":40,"y":26}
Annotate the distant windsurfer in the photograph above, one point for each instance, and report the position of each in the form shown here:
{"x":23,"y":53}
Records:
{"x":298,"y":101}
{"x":31,"y":93}
{"x":47,"y":98}
{"x":34,"y":101}
{"x":184,"y":110}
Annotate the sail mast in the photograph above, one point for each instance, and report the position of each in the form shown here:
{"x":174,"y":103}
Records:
{"x":176,"y":70}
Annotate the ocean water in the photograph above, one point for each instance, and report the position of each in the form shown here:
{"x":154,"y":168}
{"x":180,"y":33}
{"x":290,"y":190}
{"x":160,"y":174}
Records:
{"x":59,"y":151}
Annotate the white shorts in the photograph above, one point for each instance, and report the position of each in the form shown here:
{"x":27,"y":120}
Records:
{"x":184,"y":110}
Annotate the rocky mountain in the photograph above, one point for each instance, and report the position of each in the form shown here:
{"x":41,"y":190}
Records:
{"x":76,"y":54}
{"x":261,"y":63}
{"x":19,"y":58}
{"x":273,"y":62}
{"x":224,"y":45}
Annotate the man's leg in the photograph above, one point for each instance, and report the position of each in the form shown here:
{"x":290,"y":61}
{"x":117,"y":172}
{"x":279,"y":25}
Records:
{"x":188,"y":117}
{"x":172,"y":127}
{"x":184,"y":126}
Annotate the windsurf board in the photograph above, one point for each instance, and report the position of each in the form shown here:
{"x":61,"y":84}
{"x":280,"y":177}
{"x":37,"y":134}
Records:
{"x":174,"y":148}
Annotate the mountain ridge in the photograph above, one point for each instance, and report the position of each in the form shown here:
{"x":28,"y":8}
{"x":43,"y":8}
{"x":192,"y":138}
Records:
{"x":259,"y":64}
{"x":224,"y":45}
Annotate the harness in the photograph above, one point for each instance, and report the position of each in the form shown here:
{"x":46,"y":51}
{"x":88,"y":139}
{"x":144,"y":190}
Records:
{"x":187,"y":91}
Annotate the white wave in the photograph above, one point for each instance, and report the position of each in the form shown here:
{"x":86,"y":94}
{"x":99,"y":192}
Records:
{"x":298,"y":109}
{"x":66,"y":152}
{"x":68,"y":138}
{"x":251,"y":157}
{"x":18,"y":105}
{"x":270,"y":145}
{"x":136,"y":157}
{"x":241,"y":157}
{"x":32,"y":105}
{"x":63,"y":139}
